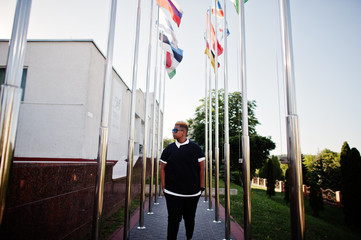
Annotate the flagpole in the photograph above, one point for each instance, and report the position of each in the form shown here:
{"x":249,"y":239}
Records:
{"x":150,"y":206}
{"x":226,"y":133}
{"x":146,"y":122}
{"x":128,"y":202}
{"x":293,"y":142}
{"x":11,"y":93}
{"x":206,"y":128}
{"x":158,"y":130}
{"x":210,"y":158}
{"x":162,"y":143}
{"x":104,"y":133}
{"x":216,"y":213}
{"x":245,"y":136}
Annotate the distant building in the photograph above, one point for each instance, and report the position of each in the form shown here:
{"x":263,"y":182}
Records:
{"x":58,"y":135}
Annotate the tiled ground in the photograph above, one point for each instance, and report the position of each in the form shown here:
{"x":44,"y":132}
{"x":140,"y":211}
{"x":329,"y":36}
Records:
{"x":156,"y":224}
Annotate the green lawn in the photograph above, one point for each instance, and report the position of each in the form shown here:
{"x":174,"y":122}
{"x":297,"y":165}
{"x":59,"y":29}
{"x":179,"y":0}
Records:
{"x":271,"y":217}
{"x":110,"y":224}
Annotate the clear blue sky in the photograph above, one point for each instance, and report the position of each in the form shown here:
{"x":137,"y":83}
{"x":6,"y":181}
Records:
{"x":326,"y":46}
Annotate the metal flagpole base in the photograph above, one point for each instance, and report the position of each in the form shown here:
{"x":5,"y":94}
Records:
{"x":141,"y":228}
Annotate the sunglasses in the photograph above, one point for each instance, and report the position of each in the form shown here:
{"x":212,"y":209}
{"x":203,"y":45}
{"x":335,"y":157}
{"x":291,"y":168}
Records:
{"x":175,"y":130}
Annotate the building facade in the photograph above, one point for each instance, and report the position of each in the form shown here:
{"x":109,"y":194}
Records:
{"x":54,"y":168}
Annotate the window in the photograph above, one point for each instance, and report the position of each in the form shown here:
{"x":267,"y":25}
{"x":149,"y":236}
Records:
{"x":23,"y":79}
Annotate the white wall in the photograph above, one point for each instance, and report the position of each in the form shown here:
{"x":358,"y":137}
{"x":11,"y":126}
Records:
{"x":61,"y":112}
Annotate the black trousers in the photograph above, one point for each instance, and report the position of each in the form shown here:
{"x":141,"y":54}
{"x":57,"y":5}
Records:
{"x":179,"y":207}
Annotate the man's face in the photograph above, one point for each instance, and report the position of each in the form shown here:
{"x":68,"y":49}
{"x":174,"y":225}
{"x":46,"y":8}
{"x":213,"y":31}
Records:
{"x":177,"y":132}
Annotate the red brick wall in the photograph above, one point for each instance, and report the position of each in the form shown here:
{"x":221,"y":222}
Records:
{"x":56,"y":200}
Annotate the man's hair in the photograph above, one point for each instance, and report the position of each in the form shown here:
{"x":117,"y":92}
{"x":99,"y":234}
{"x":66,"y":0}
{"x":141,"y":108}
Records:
{"x":182,"y":124}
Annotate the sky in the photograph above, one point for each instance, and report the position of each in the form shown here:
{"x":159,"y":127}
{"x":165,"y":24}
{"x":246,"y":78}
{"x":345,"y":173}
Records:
{"x":326,"y":37}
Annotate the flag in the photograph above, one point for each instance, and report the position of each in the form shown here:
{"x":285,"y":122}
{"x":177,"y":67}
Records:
{"x":169,"y":43}
{"x":219,"y":10}
{"x":211,"y":55}
{"x":168,"y":47}
{"x":173,"y":8}
{"x":213,"y":38}
{"x":236,"y":4}
{"x":170,"y":65}
{"x":220,"y":28}
{"x":173,"y":55}
{"x":220,"y":23}
{"x":167,"y":28}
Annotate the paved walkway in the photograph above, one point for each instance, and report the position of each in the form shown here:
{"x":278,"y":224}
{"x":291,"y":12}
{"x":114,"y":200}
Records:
{"x":156,"y":224}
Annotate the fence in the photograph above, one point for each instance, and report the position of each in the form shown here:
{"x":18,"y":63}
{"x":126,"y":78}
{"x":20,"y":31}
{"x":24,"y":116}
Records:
{"x":328,"y":195}
{"x":262,"y":182}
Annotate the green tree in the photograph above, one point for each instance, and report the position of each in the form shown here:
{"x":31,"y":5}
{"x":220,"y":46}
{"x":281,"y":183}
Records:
{"x":278,"y":173}
{"x":308,"y":160}
{"x":271,"y":180}
{"x":287,"y":186}
{"x":305,"y":172}
{"x":328,"y":169}
{"x":351,"y":183}
{"x":167,"y":141}
{"x":259,"y":146}
{"x":315,"y":200}
{"x":307,"y":166}
{"x":287,"y":180}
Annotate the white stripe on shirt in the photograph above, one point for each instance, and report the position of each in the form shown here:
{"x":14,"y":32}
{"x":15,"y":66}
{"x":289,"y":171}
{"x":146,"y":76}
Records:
{"x":181,"y":195}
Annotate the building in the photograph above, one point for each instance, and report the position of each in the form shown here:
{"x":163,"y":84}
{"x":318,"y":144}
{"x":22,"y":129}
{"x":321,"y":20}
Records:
{"x":54,"y":170}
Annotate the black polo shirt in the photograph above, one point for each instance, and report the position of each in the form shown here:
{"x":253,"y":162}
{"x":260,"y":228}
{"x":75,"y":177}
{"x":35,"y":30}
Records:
{"x":182,"y":171}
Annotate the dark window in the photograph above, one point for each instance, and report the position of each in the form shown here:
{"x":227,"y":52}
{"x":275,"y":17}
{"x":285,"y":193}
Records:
{"x":23,"y":79}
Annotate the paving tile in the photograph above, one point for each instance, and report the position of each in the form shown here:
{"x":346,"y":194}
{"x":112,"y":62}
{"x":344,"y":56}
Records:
{"x":156,"y":224}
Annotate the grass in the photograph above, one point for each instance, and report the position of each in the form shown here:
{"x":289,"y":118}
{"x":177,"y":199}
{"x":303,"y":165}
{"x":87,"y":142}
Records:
{"x":271,"y":217}
{"x":113,"y":222}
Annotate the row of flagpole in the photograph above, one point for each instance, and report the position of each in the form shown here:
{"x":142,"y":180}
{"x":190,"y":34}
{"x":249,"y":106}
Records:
{"x":294,"y":153}
{"x":168,"y":64}
{"x":245,"y":137}
{"x":10,"y":102}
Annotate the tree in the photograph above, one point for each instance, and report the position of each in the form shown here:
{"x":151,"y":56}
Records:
{"x":259,"y":146}
{"x":315,"y":200}
{"x":308,"y":160}
{"x":167,"y":141}
{"x":287,"y":186}
{"x":278,"y":173}
{"x":271,"y":181}
{"x":328,"y":169}
{"x":351,"y":183}
{"x":305,"y":174}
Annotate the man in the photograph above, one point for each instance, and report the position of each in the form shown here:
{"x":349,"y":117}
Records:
{"x":182,"y":178}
